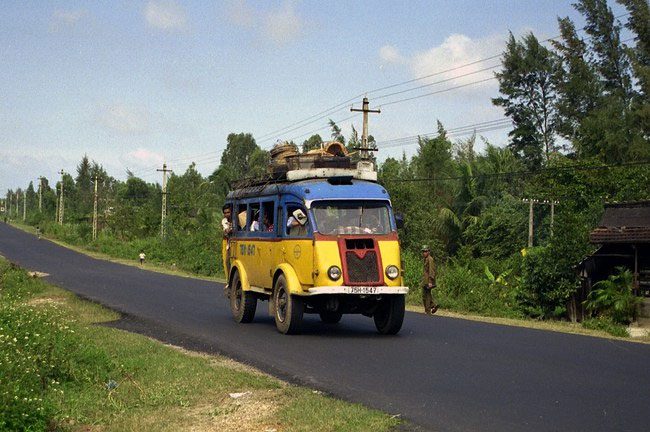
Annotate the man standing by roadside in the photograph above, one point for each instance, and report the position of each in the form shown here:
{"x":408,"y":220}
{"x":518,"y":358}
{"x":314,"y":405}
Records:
{"x":428,"y":282}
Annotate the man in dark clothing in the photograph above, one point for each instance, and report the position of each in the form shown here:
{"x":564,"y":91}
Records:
{"x":428,"y":282}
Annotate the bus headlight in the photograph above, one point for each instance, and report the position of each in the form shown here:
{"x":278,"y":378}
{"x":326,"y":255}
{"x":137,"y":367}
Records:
{"x":334,"y":273}
{"x":392,"y":272}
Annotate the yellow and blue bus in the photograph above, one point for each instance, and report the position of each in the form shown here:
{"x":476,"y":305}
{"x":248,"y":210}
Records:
{"x":326,"y":246}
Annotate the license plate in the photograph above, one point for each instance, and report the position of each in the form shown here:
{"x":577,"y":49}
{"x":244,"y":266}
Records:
{"x":361,"y":290}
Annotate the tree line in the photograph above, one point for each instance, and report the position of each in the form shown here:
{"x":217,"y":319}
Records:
{"x":581,"y":129}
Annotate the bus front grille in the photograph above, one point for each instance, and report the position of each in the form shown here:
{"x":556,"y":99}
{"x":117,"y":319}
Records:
{"x":362,"y":270}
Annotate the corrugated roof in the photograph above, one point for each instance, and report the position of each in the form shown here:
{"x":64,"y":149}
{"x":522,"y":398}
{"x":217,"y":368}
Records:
{"x":624,"y":223}
{"x":631,"y":214}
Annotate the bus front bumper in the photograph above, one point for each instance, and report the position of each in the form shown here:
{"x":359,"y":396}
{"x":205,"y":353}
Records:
{"x":357,"y":290}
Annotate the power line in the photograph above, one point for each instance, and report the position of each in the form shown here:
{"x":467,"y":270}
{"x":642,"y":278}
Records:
{"x":270,"y":136}
{"x":452,"y":131}
{"x":524,"y":172}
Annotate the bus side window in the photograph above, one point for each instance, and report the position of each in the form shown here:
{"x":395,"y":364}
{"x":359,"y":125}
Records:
{"x":268,"y":217}
{"x":296,"y":223}
{"x":254,"y":216}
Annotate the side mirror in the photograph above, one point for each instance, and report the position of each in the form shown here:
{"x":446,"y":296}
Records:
{"x":300,"y":216}
{"x":399,"y":220}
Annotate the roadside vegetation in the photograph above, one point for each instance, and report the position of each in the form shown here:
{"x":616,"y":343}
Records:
{"x":61,"y":370}
{"x":580,"y":112}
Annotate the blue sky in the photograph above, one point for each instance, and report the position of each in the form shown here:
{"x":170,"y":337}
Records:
{"x":132,"y":84}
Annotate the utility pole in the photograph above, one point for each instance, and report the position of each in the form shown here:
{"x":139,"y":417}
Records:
{"x":61,"y":206}
{"x":40,"y":194}
{"x":163,"y":215}
{"x":531,"y":202}
{"x":56,"y":212}
{"x":95,"y":178}
{"x":364,"y":137}
{"x":24,"y":206}
{"x":552,"y":203}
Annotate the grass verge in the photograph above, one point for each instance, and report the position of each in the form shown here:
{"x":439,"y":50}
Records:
{"x":61,"y":371}
{"x":159,"y":267}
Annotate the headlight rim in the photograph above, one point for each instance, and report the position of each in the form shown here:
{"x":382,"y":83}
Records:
{"x":387,"y":272}
{"x":334,"y":268}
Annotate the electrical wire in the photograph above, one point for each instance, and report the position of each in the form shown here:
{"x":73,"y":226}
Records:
{"x":577,"y":167}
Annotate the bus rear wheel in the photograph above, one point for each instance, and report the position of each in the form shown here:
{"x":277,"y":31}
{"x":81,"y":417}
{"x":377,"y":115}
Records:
{"x":389,"y":316}
{"x":289,"y":308}
{"x":242,"y":303}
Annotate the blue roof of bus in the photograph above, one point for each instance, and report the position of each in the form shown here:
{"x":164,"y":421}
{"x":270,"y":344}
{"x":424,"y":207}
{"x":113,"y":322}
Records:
{"x":317,"y":189}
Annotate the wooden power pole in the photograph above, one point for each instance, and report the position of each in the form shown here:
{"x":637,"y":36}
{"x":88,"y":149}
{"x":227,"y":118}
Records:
{"x":163,"y":215}
{"x":61,"y":200}
{"x":24,"y":205}
{"x":531,"y":202}
{"x":95,"y":178}
{"x":40,"y":194}
{"x":364,"y":136}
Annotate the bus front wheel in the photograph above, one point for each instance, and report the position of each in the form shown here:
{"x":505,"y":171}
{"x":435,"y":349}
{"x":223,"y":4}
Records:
{"x":389,"y":316}
{"x":242,"y":303}
{"x":289,"y":308}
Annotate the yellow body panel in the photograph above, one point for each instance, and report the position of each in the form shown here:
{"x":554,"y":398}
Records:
{"x":326,"y":254}
{"x":304,"y":262}
{"x":243,"y":274}
{"x":390,"y":255}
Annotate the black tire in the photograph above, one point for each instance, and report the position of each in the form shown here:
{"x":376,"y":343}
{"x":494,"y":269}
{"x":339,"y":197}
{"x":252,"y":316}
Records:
{"x":389,"y":316}
{"x":330,"y":317}
{"x":288,"y":308}
{"x":242,"y":303}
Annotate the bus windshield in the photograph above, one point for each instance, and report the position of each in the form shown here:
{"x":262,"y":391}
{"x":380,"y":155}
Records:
{"x":351,"y":217}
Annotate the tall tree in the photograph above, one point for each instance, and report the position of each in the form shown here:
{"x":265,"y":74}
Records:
{"x":528,"y":97}
{"x":613,"y":130}
{"x":241,"y":159}
{"x":82,"y":203}
{"x":577,"y":84}
{"x":608,"y":53}
{"x":639,"y":24}
{"x":313,"y":142}
{"x":237,"y":154}
{"x":336,"y":132}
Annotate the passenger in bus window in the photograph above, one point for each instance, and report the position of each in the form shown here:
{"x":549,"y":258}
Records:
{"x":268,"y":223}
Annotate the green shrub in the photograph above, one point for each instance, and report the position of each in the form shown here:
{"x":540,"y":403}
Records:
{"x":473,"y":287}
{"x":613,"y":298}
{"x":40,"y":351}
{"x":605,"y":324}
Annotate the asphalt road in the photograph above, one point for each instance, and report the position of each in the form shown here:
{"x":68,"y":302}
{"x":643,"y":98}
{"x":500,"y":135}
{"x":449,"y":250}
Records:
{"x":441,"y":374}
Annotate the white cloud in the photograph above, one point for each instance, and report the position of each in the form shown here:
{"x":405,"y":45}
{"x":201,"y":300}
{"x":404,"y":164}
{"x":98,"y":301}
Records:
{"x":239,"y":13}
{"x":123,"y":119}
{"x":458,"y":50}
{"x":283,"y":25}
{"x":144,"y":157}
{"x":165,"y":15}
{"x":390,"y":54}
{"x":279,"y":26}
{"x":62,"y":19}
